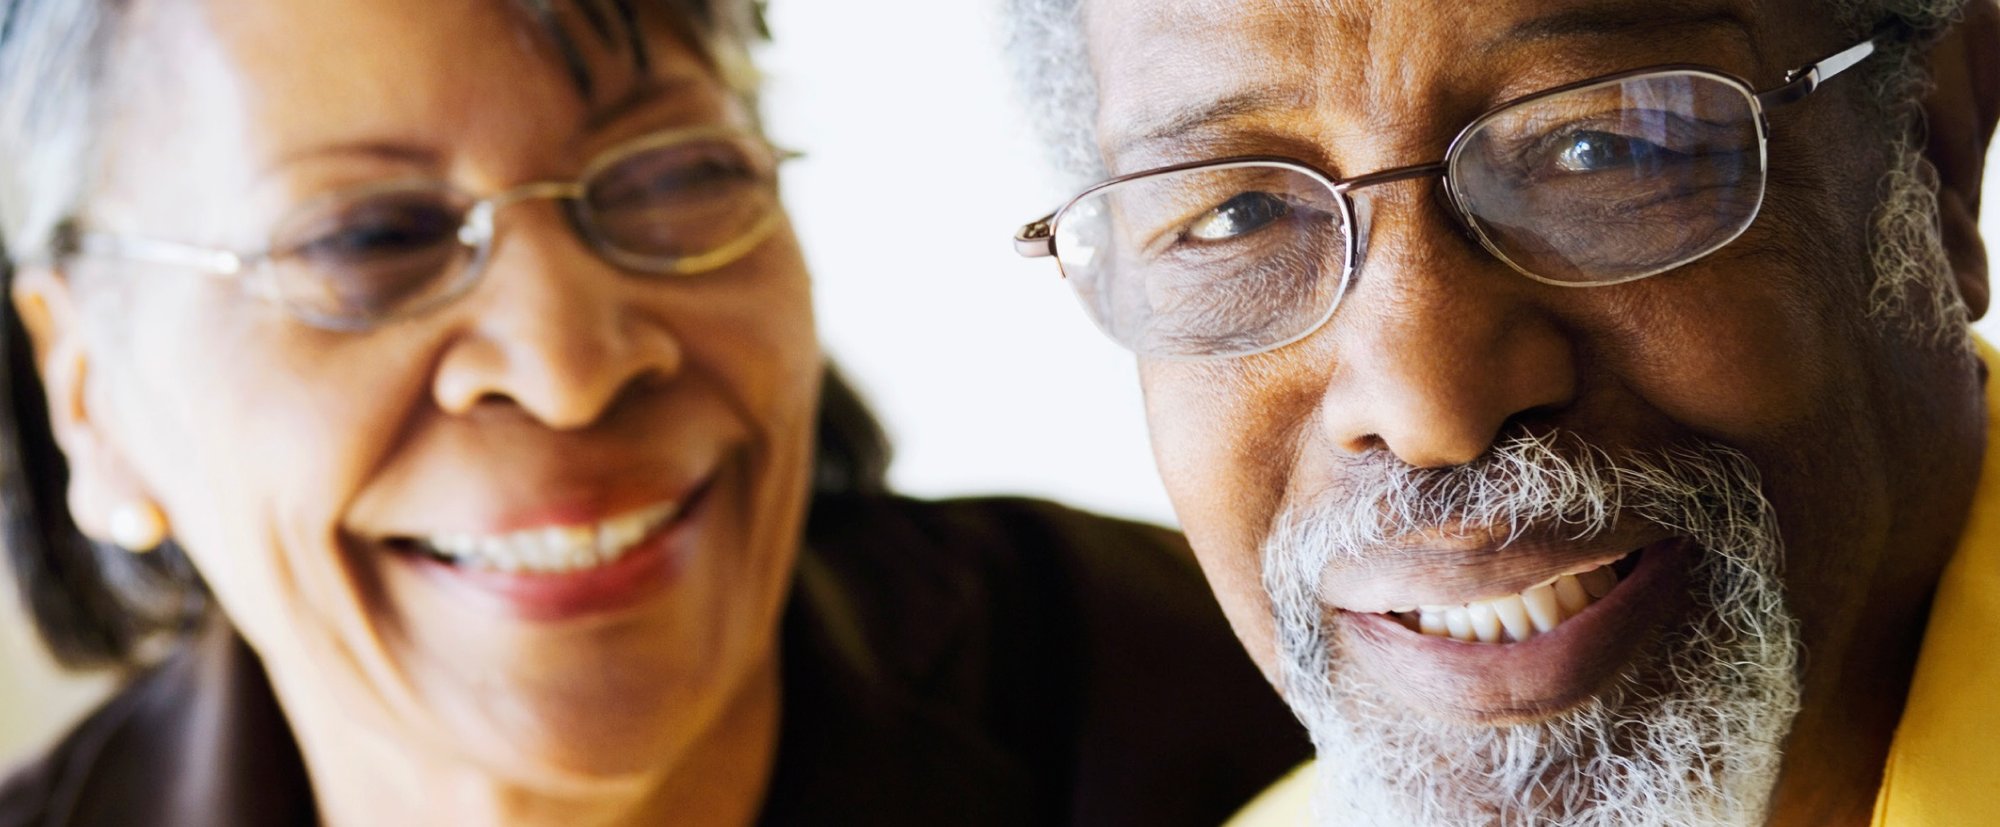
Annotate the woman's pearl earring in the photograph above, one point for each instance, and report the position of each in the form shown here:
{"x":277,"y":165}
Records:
{"x":138,"y":526}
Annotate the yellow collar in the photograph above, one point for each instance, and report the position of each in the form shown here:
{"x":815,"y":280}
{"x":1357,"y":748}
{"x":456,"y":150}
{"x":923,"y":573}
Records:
{"x":1944,"y":768}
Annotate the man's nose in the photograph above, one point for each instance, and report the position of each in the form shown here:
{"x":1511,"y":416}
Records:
{"x":554,"y":329}
{"x":1440,"y":346}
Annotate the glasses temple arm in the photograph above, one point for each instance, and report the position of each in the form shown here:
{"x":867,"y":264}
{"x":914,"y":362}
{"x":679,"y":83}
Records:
{"x":1036,"y":239}
{"x":221,"y":263}
{"x":1805,"y":80}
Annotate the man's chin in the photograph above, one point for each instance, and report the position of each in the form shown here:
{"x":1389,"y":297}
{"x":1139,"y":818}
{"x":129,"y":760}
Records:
{"x":1686,"y":733}
{"x":1615,"y":759}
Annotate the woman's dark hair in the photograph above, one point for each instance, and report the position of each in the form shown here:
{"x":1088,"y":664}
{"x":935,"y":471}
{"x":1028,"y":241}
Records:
{"x":97,"y":606}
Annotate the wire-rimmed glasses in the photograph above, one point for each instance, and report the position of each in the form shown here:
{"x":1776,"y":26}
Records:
{"x":680,"y":202}
{"x":1598,"y":182}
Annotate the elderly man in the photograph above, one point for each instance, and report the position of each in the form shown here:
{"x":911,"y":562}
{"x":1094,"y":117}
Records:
{"x":1571,"y":401}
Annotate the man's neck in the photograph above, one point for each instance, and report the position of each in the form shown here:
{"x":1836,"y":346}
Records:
{"x":1854,"y":699}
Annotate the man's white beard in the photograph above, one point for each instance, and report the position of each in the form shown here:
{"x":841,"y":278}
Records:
{"x":1690,"y":734}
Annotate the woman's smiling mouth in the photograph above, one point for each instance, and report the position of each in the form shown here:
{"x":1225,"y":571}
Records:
{"x":564,"y":570}
{"x":555,"y":549}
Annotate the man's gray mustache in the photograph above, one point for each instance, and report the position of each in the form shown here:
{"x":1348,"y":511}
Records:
{"x":1553,"y":483}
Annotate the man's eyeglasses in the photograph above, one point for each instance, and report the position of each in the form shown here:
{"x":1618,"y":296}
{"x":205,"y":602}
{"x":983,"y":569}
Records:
{"x":1599,"y":182}
{"x":678,"y":203}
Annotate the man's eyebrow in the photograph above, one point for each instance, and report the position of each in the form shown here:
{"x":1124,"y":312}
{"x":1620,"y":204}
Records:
{"x":1619,"y":19}
{"x":1227,"y":107}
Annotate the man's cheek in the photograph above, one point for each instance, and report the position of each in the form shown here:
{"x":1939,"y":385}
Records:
{"x":1225,"y":495}
{"x":1743,"y":374}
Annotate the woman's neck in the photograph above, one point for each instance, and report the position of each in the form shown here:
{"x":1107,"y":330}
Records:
{"x":360,"y":777}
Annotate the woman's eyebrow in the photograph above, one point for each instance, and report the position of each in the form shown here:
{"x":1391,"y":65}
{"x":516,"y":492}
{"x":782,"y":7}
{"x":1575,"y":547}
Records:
{"x":371,"y":149}
{"x":647,"y":93}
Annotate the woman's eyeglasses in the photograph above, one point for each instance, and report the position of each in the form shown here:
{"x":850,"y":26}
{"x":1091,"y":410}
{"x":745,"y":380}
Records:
{"x":1600,"y":182}
{"x":677,"y":203}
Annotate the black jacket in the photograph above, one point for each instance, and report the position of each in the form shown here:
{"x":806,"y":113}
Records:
{"x":976,"y":662}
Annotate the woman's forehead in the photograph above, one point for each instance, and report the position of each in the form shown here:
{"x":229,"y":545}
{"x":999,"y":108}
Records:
{"x":299,"y":72}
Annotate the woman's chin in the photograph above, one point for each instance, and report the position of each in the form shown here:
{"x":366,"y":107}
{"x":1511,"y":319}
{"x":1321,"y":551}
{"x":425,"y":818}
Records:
{"x":590,"y":704}
{"x":578,"y":735}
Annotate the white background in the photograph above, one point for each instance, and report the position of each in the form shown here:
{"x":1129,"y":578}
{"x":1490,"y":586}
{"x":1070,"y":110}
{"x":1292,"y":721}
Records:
{"x":984,"y":369}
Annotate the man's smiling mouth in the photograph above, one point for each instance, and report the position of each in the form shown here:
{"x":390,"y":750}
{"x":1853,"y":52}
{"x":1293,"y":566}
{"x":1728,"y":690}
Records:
{"x":1518,"y":617}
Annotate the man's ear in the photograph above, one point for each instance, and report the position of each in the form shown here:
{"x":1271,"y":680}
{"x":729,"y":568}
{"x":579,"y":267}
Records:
{"x":1962,"y":109}
{"x":100,"y":480}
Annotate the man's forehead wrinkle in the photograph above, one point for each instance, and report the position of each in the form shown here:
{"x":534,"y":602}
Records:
{"x":1185,"y":75}
{"x":1200,"y":63}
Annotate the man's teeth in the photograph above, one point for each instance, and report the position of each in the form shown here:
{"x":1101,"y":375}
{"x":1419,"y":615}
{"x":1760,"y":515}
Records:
{"x":1516,"y":617}
{"x":556,"y":549}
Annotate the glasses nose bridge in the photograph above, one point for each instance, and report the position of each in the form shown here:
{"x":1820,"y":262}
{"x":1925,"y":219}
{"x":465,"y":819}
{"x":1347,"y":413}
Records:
{"x":1362,"y":204}
{"x":1434,"y":169}
{"x":479,"y":223}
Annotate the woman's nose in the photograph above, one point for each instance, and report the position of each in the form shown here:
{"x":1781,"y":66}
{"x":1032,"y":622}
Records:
{"x":553,"y":328}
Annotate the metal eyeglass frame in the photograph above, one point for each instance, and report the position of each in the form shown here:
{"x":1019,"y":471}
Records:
{"x":1037,"y":239}
{"x":477,"y":232}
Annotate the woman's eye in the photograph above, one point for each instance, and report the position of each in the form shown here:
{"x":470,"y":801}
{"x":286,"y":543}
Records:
{"x":1595,"y":151}
{"x":709,"y":171}
{"x":1239,"y":216}
{"x":379,"y":230}
{"x":373,"y":240}
{"x":670,"y":174}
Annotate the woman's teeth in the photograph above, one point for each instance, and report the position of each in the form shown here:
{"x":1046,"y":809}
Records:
{"x":556,"y":549}
{"x":1516,"y":617}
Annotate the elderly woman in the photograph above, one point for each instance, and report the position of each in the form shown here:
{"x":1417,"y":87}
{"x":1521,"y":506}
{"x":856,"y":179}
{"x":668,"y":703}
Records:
{"x":421,"y":400}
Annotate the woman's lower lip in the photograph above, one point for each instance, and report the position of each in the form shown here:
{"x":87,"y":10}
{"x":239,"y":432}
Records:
{"x":1497,"y":684}
{"x":650,"y":568}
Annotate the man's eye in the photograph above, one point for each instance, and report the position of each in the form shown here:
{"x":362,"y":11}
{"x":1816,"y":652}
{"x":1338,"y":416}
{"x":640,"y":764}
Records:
{"x":1239,"y":216}
{"x":1595,"y":151}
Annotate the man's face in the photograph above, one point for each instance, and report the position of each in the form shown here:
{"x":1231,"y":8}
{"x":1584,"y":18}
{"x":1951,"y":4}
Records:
{"x":1725,"y":455}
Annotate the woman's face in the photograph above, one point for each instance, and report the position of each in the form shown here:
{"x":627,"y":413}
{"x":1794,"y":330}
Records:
{"x":563,"y":399}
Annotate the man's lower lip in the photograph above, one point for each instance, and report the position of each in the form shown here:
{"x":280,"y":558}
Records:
{"x":1497,"y":684}
{"x":650,"y":568}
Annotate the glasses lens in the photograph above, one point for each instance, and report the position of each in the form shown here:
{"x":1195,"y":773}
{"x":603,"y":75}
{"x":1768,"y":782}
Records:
{"x":681,"y":201}
{"x":1217,"y":261}
{"x":362,"y":257}
{"x":1614,"y":181}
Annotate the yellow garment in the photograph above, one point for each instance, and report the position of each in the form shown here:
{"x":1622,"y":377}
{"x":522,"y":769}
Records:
{"x":1285,"y":803}
{"x":1944,"y":767}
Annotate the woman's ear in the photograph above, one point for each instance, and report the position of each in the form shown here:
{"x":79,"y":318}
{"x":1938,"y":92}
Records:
{"x":106,"y":499}
{"x":1962,"y":108}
